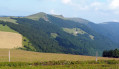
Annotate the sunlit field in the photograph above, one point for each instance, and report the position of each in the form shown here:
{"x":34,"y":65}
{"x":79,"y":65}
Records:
{"x":27,"y":56}
{"x":10,"y":40}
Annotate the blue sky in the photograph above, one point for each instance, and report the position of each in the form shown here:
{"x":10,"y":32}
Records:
{"x":94,"y":10}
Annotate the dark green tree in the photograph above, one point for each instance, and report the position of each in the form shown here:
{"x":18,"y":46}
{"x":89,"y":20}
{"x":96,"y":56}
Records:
{"x":111,"y":53}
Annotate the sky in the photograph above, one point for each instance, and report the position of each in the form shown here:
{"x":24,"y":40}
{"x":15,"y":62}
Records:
{"x":97,"y":11}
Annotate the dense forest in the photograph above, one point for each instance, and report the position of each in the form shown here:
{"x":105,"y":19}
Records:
{"x":113,"y":30}
{"x":39,"y":35}
{"x":111,"y":53}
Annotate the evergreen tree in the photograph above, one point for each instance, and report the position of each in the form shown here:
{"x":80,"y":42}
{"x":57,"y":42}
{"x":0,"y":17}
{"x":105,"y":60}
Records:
{"x":111,"y":53}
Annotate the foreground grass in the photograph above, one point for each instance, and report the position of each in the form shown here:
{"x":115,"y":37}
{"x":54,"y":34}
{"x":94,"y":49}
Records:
{"x":110,"y":64}
{"x":67,"y":67}
{"x":33,"y":60}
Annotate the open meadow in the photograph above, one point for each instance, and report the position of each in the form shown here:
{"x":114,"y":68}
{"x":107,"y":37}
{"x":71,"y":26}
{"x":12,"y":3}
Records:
{"x":28,"y":56}
{"x":34,"y":60}
{"x":10,"y":40}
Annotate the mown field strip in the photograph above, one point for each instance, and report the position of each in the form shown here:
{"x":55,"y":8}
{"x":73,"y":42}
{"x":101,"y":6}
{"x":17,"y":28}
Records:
{"x":10,"y":40}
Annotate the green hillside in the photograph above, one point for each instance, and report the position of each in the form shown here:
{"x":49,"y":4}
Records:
{"x":25,"y":41}
{"x":76,"y":31}
{"x":6,"y":28}
{"x":38,"y":16}
{"x":58,"y":35}
{"x":112,"y":28}
{"x":8,"y":19}
{"x":80,"y":20}
{"x":107,"y":29}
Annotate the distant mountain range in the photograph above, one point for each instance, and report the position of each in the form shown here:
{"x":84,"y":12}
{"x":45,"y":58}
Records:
{"x":10,"y":16}
{"x":58,"y":34}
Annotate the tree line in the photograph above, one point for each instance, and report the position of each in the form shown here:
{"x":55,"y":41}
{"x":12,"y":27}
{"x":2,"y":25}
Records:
{"x":111,"y":53}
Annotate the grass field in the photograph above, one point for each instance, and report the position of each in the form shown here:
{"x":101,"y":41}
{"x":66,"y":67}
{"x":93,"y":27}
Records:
{"x":76,"y":66}
{"x":7,"y":30}
{"x":10,"y":40}
{"x":28,"y":56}
{"x":34,"y":60}
{"x":60,"y":65}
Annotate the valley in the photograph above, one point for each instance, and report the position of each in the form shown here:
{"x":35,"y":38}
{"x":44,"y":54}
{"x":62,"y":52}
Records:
{"x":54,"y":42}
{"x":59,"y":34}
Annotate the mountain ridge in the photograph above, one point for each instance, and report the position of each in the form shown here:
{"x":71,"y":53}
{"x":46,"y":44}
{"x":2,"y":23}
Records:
{"x":46,"y":34}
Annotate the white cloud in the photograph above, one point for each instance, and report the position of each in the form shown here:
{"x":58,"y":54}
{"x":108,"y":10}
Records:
{"x":114,"y":4}
{"x":66,"y":1}
{"x":75,"y":5}
{"x":83,"y":5}
{"x":53,"y":0}
{"x":95,"y":4}
{"x":115,"y":20}
{"x":79,"y":6}
{"x":52,"y":11}
{"x":116,"y":12}
{"x":91,"y":6}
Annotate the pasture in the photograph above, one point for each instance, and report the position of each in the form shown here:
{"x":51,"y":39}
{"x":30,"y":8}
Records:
{"x":35,"y":60}
{"x":28,"y":56}
{"x":10,"y":40}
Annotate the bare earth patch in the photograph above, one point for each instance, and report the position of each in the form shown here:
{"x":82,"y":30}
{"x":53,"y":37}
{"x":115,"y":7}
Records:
{"x":10,"y":40}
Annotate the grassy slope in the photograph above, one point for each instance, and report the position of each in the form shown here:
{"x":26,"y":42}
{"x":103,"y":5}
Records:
{"x":10,"y":40}
{"x":27,"y":56}
{"x":54,"y":35}
{"x":38,"y":16}
{"x":8,"y":19}
{"x":6,"y":29}
{"x":10,"y":36}
{"x":26,"y":43}
{"x":73,"y":31}
{"x":79,"y":31}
